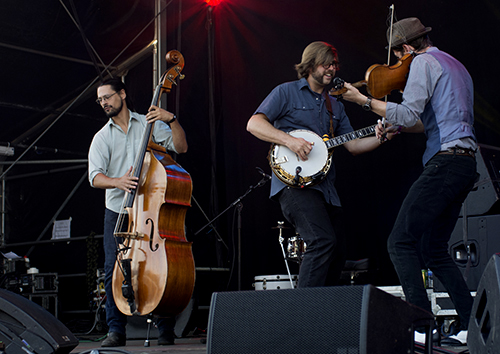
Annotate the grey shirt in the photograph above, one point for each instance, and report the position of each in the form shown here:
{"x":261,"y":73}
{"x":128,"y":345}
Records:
{"x":113,"y":151}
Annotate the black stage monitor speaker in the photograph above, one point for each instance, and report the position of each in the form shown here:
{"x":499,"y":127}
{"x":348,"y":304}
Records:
{"x":484,"y":324}
{"x":482,"y":243}
{"x":26,"y":327}
{"x":343,"y":319}
{"x":485,"y":197}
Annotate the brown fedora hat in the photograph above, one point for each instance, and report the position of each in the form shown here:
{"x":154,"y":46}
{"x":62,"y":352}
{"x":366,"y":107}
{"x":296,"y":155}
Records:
{"x":406,"y":30}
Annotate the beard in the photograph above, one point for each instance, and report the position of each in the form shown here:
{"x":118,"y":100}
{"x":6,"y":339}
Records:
{"x":320,"y":78}
{"x":113,"y":112}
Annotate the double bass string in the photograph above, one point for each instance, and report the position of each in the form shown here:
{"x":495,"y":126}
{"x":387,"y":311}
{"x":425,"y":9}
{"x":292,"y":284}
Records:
{"x":136,"y":171}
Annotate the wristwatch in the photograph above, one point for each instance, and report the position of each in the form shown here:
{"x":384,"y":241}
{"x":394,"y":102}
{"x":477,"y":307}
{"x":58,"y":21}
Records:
{"x":172,"y":120}
{"x":367,"y":106}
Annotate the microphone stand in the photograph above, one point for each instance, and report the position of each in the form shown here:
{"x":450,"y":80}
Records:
{"x":239,"y":205}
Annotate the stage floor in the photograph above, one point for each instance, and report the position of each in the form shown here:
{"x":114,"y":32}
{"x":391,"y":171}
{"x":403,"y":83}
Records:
{"x":196,"y":345}
{"x":192,"y":345}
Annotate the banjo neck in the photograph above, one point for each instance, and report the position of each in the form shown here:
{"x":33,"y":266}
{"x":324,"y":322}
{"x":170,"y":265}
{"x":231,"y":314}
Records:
{"x":342,"y":139}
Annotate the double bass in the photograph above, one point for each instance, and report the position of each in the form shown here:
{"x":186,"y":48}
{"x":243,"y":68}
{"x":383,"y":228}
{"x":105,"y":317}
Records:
{"x":154,"y":272}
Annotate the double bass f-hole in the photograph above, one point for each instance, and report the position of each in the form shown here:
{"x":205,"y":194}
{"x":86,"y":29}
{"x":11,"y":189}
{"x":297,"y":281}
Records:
{"x":151,"y":236}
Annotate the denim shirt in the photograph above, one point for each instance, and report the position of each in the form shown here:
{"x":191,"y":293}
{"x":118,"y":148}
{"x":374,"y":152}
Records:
{"x":113,"y":151}
{"x":293,"y":105}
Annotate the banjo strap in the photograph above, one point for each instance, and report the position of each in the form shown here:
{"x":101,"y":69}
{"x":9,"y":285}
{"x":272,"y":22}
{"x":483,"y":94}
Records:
{"x":330,"y":112}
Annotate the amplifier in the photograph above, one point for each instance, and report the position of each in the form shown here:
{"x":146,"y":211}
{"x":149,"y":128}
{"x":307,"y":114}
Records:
{"x":39,"y":283}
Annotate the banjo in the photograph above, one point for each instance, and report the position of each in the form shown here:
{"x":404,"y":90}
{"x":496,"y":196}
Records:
{"x":291,"y":170}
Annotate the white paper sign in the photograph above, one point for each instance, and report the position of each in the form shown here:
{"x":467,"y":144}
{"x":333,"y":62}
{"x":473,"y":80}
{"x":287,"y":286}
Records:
{"x":61,"y":229}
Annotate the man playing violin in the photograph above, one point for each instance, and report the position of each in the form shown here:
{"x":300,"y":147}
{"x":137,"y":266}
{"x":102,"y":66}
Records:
{"x":437,"y":101}
{"x":314,"y":211}
{"x":111,"y":157}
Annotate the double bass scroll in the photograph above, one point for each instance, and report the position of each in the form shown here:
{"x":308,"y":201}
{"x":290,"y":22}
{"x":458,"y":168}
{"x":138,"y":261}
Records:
{"x":154,"y":272}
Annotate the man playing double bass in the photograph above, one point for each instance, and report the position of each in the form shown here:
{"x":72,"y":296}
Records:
{"x":437,"y":100}
{"x":111,"y":157}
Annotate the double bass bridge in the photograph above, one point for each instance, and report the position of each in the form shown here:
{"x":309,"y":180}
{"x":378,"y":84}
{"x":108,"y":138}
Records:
{"x":130,"y":235}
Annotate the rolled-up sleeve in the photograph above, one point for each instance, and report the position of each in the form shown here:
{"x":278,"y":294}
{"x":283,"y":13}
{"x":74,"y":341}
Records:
{"x":98,"y":157}
{"x":162,"y":135}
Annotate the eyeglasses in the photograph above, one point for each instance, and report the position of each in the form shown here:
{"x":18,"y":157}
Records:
{"x":334,"y":63}
{"x":104,"y":98}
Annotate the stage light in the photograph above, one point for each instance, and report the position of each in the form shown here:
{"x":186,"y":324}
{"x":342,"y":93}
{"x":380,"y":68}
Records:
{"x":6,"y":151}
{"x":213,"y":2}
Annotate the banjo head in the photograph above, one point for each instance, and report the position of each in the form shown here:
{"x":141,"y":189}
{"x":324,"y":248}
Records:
{"x":285,"y":163}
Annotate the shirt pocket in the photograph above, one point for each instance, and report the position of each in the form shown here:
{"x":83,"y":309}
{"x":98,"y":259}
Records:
{"x":302,"y":113}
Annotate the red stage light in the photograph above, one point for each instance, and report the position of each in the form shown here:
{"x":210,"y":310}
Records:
{"x":213,"y":2}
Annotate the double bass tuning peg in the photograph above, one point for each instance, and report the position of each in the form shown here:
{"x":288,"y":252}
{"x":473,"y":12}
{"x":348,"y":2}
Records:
{"x":178,"y":70}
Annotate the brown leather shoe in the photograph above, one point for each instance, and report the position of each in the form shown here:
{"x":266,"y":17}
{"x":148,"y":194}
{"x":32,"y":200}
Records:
{"x":114,"y":340}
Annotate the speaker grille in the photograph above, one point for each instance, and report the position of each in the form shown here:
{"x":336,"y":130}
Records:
{"x":22,"y":318}
{"x":485,"y":319}
{"x":278,"y":312}
{"x":348,"y":319}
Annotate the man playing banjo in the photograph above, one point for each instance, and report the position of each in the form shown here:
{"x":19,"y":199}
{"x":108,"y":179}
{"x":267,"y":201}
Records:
{"x":314,"y":211}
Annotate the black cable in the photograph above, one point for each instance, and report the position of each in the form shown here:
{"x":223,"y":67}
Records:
{"x":96,"y":318}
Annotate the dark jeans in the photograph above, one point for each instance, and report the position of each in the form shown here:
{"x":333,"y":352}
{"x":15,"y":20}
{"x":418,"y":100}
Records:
{"x":319,"y":224}
{"x":427,"y":218}
{"x":116,"y":320}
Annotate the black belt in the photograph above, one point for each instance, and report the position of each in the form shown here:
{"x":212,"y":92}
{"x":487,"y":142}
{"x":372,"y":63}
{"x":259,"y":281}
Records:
{"x":458,"y":151}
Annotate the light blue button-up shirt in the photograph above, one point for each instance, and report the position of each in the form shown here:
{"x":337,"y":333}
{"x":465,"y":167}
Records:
{"x":112,"y":151}
{"x":440,"y":93}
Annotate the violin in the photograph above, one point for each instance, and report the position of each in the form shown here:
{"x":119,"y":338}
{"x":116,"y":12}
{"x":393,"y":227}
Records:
{"x":381,"y":79}
{"x":154,"y":272}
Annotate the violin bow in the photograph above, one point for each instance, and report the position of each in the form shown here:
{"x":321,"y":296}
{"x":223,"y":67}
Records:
{"x":391,"y":9}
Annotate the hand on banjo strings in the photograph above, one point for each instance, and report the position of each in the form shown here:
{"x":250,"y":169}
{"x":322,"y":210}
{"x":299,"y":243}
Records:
{"x":301,"y":147}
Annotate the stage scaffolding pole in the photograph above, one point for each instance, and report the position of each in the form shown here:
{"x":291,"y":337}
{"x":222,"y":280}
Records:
{"x":160,"y":40}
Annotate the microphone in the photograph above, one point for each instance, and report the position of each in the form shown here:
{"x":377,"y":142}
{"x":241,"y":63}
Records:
{"x":338,"y":83}
{"x":264,"y":175}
